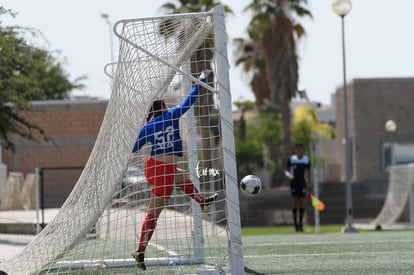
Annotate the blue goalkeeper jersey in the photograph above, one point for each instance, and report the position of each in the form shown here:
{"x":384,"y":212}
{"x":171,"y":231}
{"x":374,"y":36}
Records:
{"x":163,"y":131}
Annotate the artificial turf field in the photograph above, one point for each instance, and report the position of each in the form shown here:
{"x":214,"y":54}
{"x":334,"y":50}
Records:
{"x":379,"y":252}
{"x":281,"y":251}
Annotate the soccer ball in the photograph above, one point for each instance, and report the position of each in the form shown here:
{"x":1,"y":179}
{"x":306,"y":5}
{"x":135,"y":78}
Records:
{"x":251,"y":185}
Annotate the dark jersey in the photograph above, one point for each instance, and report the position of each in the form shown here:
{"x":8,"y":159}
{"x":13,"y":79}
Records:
{"x":163,"y":131}
{"x":298,"y":166}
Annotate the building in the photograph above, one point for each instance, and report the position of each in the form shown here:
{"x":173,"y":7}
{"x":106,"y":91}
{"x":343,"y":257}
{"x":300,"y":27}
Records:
{"x":73,"y":125}
{"x":371,"y":103}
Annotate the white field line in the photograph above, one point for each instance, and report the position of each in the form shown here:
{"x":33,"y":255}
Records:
{"x":295,"y":243}
{"x":364,"y":253}
{"x":162,"y":248}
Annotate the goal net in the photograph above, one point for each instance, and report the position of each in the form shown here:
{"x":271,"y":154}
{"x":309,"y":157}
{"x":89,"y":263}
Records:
{"x":400,"y":189}
{"x":99,"y":225}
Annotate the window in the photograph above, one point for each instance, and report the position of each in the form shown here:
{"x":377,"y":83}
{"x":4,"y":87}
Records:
{"x":394,"y":153}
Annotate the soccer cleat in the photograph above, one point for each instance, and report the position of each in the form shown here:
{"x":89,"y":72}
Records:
{"x":299,"y":228}
{"x":208,"y":202}
{"x":204,"y":74}
{"x":139,"y":257}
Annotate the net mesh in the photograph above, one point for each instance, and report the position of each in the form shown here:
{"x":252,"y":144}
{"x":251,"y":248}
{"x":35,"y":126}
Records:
{"x":99,"y":224}
{"x":400,"y":187}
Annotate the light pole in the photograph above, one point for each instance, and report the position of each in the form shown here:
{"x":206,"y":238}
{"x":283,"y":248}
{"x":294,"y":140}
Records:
{"x":111,"y":43}
{"x":342,"y":8}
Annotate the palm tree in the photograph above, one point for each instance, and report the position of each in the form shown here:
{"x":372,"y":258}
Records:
{"x":274,"y":32}
{"x":204,"y":106}
{"x":249,"y":56}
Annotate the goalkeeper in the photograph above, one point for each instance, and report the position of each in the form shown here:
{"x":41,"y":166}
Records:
{"x":162,"y":130}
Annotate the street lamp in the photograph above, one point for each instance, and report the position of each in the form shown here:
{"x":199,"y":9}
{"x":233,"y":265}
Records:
{"x":390,"y":126}
{"x":111,"y":44}
{"x":342,"y":8}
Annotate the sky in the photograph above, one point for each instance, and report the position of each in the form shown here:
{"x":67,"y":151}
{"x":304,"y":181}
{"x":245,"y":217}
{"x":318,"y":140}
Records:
{"x":378,"y":38}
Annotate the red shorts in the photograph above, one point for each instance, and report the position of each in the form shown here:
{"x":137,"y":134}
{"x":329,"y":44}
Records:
{"x":161,"y":175}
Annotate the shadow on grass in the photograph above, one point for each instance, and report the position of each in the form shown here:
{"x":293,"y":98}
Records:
{"x":251,"y":271}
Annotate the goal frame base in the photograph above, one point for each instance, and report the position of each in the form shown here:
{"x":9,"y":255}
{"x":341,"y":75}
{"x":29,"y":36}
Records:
{"x":122,"y":263}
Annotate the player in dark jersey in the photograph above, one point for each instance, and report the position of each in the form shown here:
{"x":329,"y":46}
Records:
{"x":298,"y":171}
{"x":162,"y":130}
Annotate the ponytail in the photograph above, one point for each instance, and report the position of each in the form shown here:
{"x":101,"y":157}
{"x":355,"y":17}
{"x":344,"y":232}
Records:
{"x":158,"y":107}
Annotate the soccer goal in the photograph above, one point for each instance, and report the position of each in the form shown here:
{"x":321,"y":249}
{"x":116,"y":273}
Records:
{"x":99,"y":225}
{"x":400,"y":195}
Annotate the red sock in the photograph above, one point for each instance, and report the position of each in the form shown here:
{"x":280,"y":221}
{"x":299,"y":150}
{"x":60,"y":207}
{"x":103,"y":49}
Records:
{"x":148,"y":228}
{"x":189,"y":188}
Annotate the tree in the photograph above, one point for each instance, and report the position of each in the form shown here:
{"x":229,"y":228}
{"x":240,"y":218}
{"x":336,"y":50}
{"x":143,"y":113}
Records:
{"x":204,"y":106}
{"x":306,"y":126}
{"x":308,"y":130}
{"x":26,"y":73}
{"x":243,"y":107}
{"x":273,"y":34}
{"x":261,"y":139}
{"x":249,"y":56}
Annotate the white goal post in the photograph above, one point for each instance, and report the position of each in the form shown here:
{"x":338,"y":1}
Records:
{"x":99,"y":224}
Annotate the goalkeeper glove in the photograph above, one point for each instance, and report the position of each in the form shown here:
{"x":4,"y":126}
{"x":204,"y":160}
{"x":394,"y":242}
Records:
{"x":204,"y":74}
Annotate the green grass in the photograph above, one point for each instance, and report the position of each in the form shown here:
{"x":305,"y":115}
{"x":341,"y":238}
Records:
{"x":280,"y":250}
{"x":280,"y":230}
{"x":276,"y":230}
{"x":377,"y":252}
